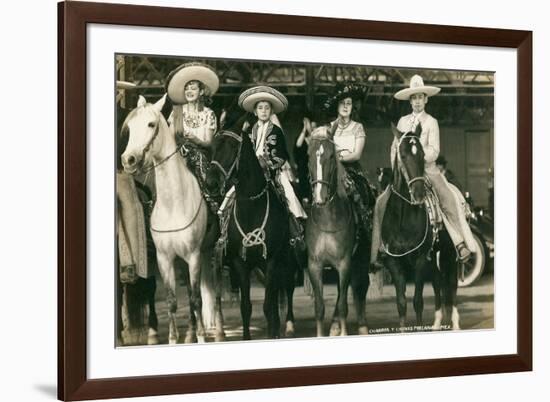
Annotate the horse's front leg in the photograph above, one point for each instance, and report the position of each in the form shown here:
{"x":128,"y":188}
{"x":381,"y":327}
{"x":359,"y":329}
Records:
{"x":315,"y":271}
{"x":360,"y":284}
{"x":271,"y":300}
{"x":220,"y":333}
{"x":167,"y":272}
{"x":418,"y":302}
{"x":344,"y":272}
{"x":449,"y":274}
{"x":290,"y":284}
{"x":246,"y":305}
{"x":436,"y":284}
{"x":452,"y":300}
{"x":151,"y":286}
{"x":195,"y":299}
{"x":400,"y":288}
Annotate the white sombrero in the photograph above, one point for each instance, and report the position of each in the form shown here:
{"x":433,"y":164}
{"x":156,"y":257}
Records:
{"x":178,"y":78}
{"x":416,"y":86}
{"x":252,"y":96}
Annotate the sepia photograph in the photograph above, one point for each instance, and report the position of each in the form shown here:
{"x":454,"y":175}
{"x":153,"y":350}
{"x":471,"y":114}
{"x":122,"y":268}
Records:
{"x":264,"y":200}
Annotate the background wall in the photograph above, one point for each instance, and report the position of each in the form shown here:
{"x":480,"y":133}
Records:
{"x":28,"y":203}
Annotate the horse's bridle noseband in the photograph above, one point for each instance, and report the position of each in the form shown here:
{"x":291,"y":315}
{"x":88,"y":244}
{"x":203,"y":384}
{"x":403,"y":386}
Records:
{"x":327,"y":183}
{"x":409,"y":181}
{"x":235,"y":164}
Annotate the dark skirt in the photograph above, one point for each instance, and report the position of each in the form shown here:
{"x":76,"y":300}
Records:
{"x":198,"y":161}
{"x":360,"y":194}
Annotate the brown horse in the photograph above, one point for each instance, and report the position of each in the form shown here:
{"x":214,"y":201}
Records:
{"x":331,"y":233}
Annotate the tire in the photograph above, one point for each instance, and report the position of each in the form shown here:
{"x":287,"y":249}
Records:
{"x":474,"y":268}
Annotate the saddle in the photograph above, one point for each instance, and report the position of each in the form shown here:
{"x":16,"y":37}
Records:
{"x":433,"y":208}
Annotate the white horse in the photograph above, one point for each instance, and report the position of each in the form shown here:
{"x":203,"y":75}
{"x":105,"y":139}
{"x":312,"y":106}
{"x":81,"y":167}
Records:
{"x":179,"y":217}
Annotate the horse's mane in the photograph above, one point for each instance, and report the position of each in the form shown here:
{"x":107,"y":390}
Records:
{"x":341,"y":179}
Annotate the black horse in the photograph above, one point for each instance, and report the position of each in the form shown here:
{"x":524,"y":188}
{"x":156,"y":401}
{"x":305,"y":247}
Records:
{"x":258,"y":229}
{"x":409,"y":237}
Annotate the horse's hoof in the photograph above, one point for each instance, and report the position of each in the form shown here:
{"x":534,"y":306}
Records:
{"x":246,"y":338}
{"x":363,"y":330}
{"x":152,"y":337}
{"x":173,"y":341}
{"x":201,"y":339}
{"x":289,"y":331}
{"x":190,"y":337}
{"x":219,"y":337}
{"x":335,"y":329}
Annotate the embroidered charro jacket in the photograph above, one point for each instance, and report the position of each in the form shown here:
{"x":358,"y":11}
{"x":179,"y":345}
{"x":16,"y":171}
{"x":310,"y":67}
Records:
{"x":269,"y":144}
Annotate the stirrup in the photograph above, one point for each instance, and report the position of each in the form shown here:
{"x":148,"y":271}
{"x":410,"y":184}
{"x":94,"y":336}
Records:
{"x":463,"y":257}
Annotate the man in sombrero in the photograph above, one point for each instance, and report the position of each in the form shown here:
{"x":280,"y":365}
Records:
{"x":457,"y":226}
{"x":190,"y":88}
{"x":270,"y":145}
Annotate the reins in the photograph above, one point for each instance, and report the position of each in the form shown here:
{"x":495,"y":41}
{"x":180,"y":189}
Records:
{"x":257,"y":236}
{"x":409,"y":181}
{"x":331,"y":197}
{"x":184,"y":227}
{"x":410,"y":201}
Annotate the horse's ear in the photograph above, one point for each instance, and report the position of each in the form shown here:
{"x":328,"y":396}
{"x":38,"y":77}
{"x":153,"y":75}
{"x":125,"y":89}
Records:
{"x":418,"y":130}
{"x":396,"y":133}
{"x":160,"y":103}
{"x":141,"y":101}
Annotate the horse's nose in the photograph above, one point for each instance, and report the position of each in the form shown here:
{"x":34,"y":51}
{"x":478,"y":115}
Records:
{"x":128,"y":160}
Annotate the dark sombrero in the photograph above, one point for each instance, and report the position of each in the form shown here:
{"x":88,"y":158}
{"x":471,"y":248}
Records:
{"x":343,"y":91}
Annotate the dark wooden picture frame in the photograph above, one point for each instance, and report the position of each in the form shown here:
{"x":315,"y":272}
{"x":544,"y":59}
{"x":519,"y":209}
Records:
{"x":73,"y":383}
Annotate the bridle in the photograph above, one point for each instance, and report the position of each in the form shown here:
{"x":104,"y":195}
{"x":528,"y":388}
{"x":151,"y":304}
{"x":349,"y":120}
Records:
{"x":411,"y":200}
{"x":227,"y":174}
{"x":326,"y":183}
{"x":149,"y":146}
{"x":257,"y":236}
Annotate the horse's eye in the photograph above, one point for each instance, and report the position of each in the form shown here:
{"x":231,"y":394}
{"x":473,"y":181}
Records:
{"x":151,"y":124}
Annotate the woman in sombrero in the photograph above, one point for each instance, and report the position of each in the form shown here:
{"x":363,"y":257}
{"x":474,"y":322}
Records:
{"x":417,"y":95}
{"x":270,"y":145}
{"x":190,"y":88}
{"x":349,"y":139}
